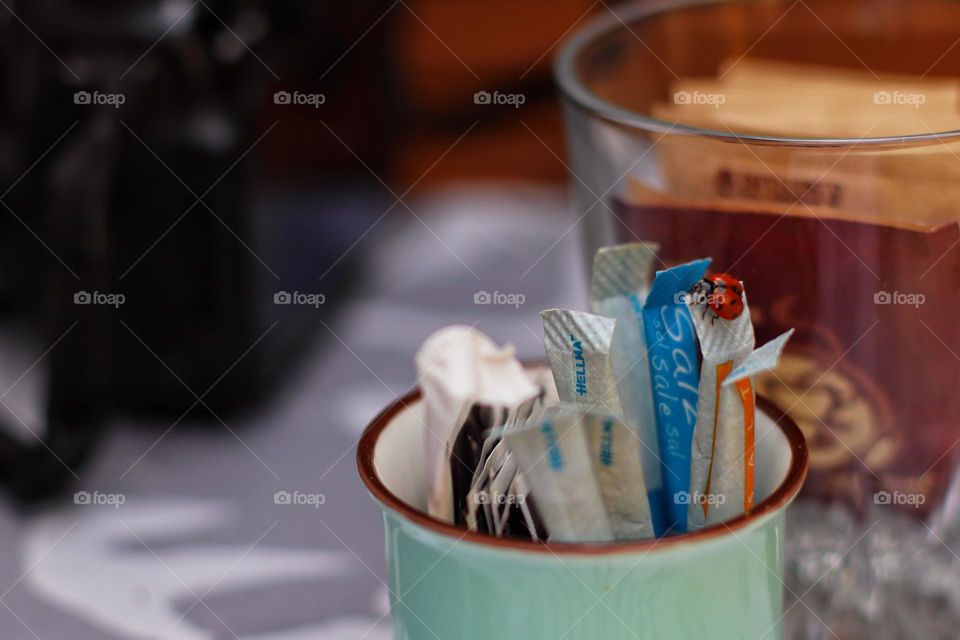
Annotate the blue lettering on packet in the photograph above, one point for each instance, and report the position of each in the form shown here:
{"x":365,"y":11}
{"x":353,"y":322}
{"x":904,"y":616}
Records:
{"x":606,"y":443}
{"x":554,"y":456}
{"x":579,"y":366}
{"x":675,"y":376}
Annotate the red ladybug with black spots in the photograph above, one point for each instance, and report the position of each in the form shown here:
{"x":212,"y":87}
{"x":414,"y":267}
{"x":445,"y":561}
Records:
{"x":720,"y":293}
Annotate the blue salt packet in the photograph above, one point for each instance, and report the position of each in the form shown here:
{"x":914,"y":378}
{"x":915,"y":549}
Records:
{"x":675,"y":375}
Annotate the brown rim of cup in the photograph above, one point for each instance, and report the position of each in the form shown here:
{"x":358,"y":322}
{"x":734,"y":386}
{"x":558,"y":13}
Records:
{"x":781,"y":496}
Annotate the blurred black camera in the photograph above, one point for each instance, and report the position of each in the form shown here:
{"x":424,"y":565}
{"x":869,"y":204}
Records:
{"x":138,"y":260}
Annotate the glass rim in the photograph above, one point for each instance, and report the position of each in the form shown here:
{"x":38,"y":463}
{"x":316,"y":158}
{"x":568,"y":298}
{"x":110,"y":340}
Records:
{"x":596,"y":28}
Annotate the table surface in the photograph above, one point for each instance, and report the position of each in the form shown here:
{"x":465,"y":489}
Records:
{"x":199,"y":549}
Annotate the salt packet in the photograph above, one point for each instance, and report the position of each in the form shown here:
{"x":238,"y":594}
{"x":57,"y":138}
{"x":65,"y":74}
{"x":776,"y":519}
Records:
{"x":723,"y":464}
{"x":618,"y":290}
{"x":582,"y":465}
{"x":470,"y":386}
{"x":674,"y":375}
{"x":579,"y":347}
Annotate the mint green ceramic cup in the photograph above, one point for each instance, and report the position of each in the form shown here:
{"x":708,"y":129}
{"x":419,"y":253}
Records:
{"x":719,"y":583}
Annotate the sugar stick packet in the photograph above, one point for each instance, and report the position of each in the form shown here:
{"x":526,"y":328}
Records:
{"x":582,"y":465}
{"x":762,"y":359}
{"x":621,"y":281}
{"x":579,"y":346}
{"x":722,"y":465}
{"x":470,"y":386}
{"x":675,"y":375}
{"x":499,"y":500}
{"x":719,"y":439}
{"x":472,"y":446}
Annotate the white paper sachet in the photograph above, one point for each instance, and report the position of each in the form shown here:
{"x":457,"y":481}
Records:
{"x":722,"y":481}
{"x":579,"y":347}
{"x":717,"y":475}
{"x":460,"y":368}
{"x":764,"y":358}
{"x":557,"y":461}
{"x":621,"y":281}
{"x":619,"y":472}
{"x":493,"y":455}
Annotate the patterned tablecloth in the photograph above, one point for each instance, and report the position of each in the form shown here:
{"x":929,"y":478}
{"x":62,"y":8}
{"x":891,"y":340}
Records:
{"x":186,"y":537}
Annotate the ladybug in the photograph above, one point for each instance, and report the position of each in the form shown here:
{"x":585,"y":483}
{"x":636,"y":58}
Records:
{"x":722,"y":294}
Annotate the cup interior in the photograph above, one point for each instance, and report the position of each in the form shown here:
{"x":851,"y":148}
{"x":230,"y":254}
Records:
{"x":392,"y":453}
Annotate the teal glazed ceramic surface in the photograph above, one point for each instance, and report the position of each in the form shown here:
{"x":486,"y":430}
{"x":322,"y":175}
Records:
{"x":720,"y":583}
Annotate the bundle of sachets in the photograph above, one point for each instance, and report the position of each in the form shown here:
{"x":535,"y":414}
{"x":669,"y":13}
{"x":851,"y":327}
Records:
{"x":473,"y":389}
{"x":647,"y":428}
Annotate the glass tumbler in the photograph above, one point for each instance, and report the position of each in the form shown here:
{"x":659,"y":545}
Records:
{"x":851,"y":240}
